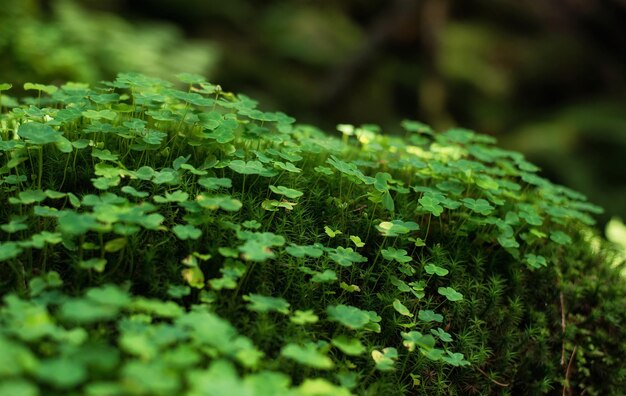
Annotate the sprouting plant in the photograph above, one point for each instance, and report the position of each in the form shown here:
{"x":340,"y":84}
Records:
{"x":157,"y":240}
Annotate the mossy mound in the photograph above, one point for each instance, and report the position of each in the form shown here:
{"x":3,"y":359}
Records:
{"x":158,"y":241}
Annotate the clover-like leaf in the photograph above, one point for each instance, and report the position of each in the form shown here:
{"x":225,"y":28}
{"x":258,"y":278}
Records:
{"x":415,"y":339}
{"x":104,"y":155}
{"x":260,"y":303}
{"x":75,"y":224}
{"x":385,"y":360}
{"x":96,"y":264}
{"x":346,"y":256}
{"x":535,"y":261}
{"x":357,"y":241}
{"x":396,"y":227}
{"x":308,"y":355}
{"x":431,"y":205}
{"x":429,"y":316}
{"x":9,"y":250}
{"x":302,"y":251}
{"x":347,"y":315}
{"x":214,"y":202}
{"x":38,"y":133}
{"x":186,"y":231}
{"x":450,"y":293}
{"x":100,"y":114}
{"x":349,"y":346}
{"x":349,"y":288}
{"x":399,"y":255}
{"x":288,"y":192}
{"x":247,"y":168}
{"x":194,"y":277}
{"x":561,"y":238}
{"x":455,"y":359}
{"x":304,"y":317}
{"x":325,"y":277}
{"x":441,"y":334}
{"x":330,"y":232}
{"x":49,"y":89}
{"x":401,"y":308}
{"x":134,"y":193}
{"x":435,"y":269}
{"x":478,"y":205}
{"x":63,"y":373}
{"x":215,"y":183}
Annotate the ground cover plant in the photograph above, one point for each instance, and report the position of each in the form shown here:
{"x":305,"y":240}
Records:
{"x":160,"y":241}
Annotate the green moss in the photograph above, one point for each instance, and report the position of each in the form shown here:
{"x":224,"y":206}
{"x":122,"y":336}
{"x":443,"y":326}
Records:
{"x":165,"y":241}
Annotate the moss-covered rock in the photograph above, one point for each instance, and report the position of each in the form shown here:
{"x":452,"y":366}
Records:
{"x":165,"y":241}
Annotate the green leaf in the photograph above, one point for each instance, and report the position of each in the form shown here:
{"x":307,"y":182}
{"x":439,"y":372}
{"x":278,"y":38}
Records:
{"x":399,"y":255}
{"x":346,"y":256}
{"x":259,"y":303}
{"x":535,"y":261}
{"x":49,"y":89}
{"x":15,"y":225}
{"x":133,"y":192}
{"x":38,"y":133}
{"x":13,"y":387}
{"x":186,"y":231}
{"x":96,"y":264}
{"x":190,"y":78}
{"x":450,"y":293}
{"x":109,"y":295}
{"x":61,"y":373}
{"x":194,"y":277}
{"x":429,"y":316}
{"x":104,"y":155}
{"x":349,"y":346}
{"x":401,"y":308}
{"x":561,"y":238}
{"x":215,"y":183}
{"x":330,"y":232}
{"x":31,"y":196}
{"x":304,"y":317}
{"x":287,"y":166}
{"x":115,"y":245}
{"x":357,"y":241}
{"x":415,"y":339}
{"x":302,"y":251}
{"x":98,"y":115}
{"x":83,"y":311}
{"x":176,"y":196}
{"x":320,"y":387}
{"x":5,"y":86}
{"x":349,"y":288}
{"x":308,"y":355}
{"x":385,"y":360}
{"x":9,"y":250}
{"x":396,"y":227}
{"x":214,"y":202}
{"x":347,"y":315}
{"x":76,"y":224}
{"x":324,"y":277}
{"x":247,"y":168}
{"x":455,"y":359}
{"x":435,"y":269}
{"x":431,"y":205}
{"x":288,"y":192}
{"x":478,"y":205}
{"x":442,"y":334}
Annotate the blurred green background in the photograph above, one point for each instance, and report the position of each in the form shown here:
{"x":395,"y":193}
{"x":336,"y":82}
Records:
{"x":547,"y":78}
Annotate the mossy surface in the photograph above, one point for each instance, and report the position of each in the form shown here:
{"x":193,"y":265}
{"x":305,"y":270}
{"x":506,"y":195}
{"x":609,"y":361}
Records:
{"x":166,"y":241}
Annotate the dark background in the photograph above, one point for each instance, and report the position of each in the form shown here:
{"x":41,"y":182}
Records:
{"x":547,"y":78}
